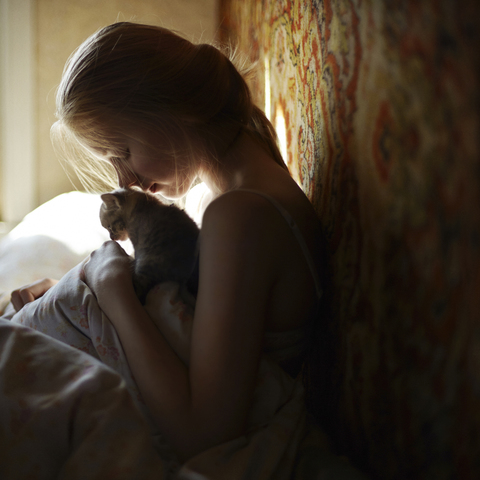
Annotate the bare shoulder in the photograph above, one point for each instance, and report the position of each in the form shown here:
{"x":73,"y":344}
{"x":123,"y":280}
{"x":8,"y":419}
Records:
{"x":237,"y":203}
{"x":256,"y":212}
{"x":259,"y":244}
{"x":237,"y":247}
{"x":239,"y":214}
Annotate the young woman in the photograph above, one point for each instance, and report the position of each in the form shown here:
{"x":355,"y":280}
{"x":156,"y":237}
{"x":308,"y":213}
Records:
{"x":165,"y":113}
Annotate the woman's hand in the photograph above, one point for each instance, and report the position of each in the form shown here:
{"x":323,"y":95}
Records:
{"x":32,"y":291}
{"x":107,"y":266}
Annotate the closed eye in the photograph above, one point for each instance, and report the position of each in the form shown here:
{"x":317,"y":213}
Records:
{"x":126,"y":176}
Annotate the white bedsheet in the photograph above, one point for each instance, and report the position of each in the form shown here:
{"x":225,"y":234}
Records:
{"x":277,"y":428}
{"x":65,"y":415}
{"x":69,"y":405}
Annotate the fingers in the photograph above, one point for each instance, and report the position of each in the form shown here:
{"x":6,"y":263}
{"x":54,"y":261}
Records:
{"x":31,"y":292}
{"x":20,"y":298}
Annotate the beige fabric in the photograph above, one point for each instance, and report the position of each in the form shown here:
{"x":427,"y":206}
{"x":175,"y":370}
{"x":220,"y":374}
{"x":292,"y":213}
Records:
{"x":277,"y":425}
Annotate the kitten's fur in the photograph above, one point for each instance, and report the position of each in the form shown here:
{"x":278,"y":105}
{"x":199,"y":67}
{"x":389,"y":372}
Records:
{"x":163,"y":236}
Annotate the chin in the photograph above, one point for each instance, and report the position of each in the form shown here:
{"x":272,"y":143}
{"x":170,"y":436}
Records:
{"x":170,"y":196}
{"x":171,"y":193}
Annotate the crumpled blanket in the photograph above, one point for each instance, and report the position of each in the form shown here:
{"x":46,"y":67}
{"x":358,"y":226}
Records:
{"x":65,"y":415}
{"x":280,"y":442}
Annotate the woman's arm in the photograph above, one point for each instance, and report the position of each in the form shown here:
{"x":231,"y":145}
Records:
{"x":208,"y":403}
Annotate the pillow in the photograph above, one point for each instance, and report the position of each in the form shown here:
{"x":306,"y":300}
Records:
{"x":51,"y":240}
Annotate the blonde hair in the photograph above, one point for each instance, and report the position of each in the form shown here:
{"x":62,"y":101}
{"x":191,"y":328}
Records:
{"x":152,"y":78}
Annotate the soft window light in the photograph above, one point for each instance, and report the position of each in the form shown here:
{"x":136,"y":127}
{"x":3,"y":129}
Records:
{"x":268,"y":106}
{"x":281,"y":129}
{"x":280,"y":126}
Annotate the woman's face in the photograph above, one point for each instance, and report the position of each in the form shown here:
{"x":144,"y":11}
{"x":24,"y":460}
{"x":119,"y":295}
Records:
{"x":141,"y":164}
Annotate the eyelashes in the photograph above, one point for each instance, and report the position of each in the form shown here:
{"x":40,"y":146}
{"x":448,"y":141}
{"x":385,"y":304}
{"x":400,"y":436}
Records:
{"x":124,"y":171}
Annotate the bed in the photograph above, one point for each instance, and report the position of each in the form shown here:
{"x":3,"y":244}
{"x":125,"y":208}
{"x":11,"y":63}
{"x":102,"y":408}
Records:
{"x":69,"y":405}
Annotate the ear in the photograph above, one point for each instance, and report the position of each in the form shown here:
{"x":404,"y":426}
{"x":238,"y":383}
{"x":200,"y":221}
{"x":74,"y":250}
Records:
{"x":111,"y":201}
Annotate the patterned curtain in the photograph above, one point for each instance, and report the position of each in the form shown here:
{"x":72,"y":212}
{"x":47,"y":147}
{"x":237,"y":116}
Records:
{"x":377,"y":108}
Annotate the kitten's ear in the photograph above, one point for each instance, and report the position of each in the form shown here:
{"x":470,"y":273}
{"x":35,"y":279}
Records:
{"x":111,"y":201}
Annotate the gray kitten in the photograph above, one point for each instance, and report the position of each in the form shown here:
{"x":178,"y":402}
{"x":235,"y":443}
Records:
{"x":163,"y":236}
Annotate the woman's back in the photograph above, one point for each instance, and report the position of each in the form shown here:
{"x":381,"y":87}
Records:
{"x":277,"y":225}
{"x":294,"y":236}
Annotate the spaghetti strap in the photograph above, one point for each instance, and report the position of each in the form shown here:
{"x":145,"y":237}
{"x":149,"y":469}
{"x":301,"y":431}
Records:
{"x":296,"y":231}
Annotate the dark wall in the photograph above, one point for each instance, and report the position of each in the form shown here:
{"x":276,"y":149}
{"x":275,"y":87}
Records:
{"x":381,"y":107}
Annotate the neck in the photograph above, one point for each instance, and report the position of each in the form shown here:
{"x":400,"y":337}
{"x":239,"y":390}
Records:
{"x":242,"y":164}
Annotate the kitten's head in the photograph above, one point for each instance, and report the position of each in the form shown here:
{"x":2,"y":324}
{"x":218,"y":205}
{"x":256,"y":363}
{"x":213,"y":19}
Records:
{"x":112,"y":213}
